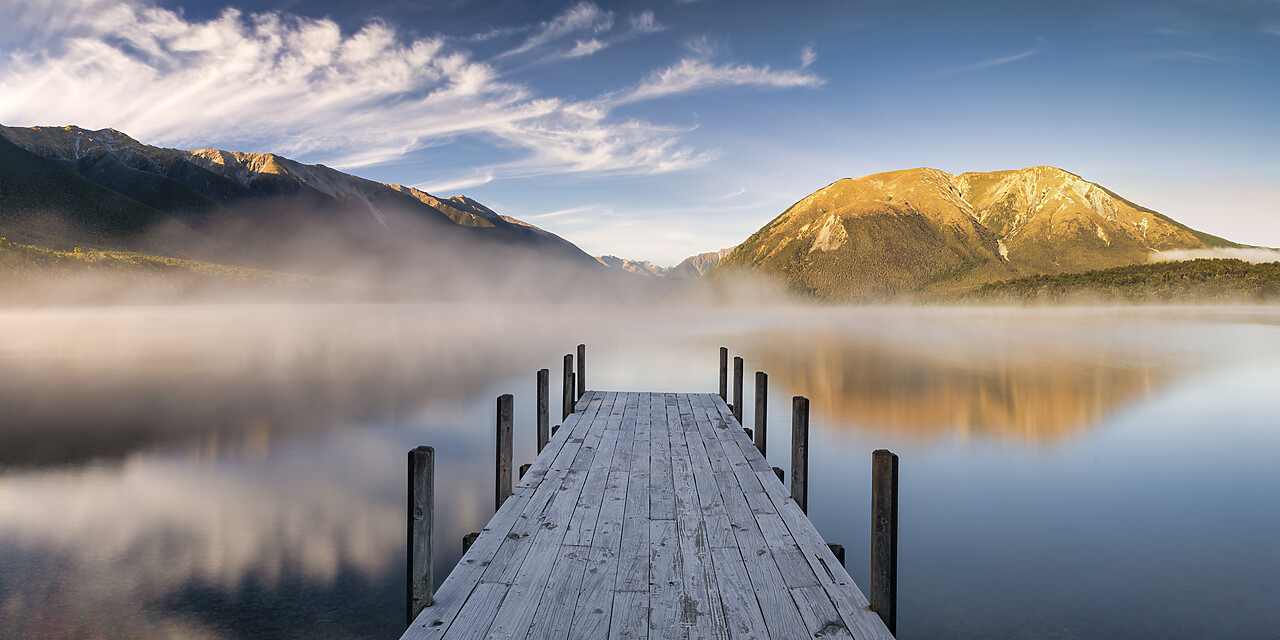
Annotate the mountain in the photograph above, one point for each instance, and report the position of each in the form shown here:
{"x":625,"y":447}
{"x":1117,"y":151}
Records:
{"x":108,"y":191}
{"x":694,"y":266}
{"x":634,"y":267}
{"x":925,"y":231}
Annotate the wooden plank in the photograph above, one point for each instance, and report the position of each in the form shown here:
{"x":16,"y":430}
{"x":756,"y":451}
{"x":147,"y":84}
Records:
{"x":590,"y":619}
{"x":702,"y":614}
{"x":630,"y":616}
{"x":554,"y":615}
{"x":742,"y":609}
{"x":661,"y":484}
{"x":582,"y":524}
{"x":633,"y":556}
{"x":664,"y":583}
{"x":481,"y":596}
{"x":819,"y":613}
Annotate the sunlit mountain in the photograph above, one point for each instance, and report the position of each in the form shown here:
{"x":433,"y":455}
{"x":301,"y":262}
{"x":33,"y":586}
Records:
{"x":925,"y":231}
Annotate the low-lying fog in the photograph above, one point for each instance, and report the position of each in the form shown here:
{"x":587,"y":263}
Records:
{"x":236,"y":471}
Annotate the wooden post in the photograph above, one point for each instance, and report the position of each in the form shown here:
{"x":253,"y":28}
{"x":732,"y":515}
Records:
{"x":524,"y":468}
{"x":737,"y":389}
{"x":884,"y":537}
{"x":750,"y":435}
{"x":567,"y":389}
{"x":800,"y":451}
{"x":544,"y":393}
{"x":555,"y":429}
{"x":469,"y":540}
{"x":777,"y":471}
{"x":419,"y":588}
{"x":837,"y":550}
{"x":582,"y":371}
{"x":762,"y":410}
{"x":724,"y":373}
{"x":502,"y":470}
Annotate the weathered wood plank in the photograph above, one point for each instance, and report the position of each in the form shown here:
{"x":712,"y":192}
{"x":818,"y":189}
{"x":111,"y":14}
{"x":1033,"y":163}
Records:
{"x":819,"y":613}
{"x":630,"y":616}
{"x":554,"y":614}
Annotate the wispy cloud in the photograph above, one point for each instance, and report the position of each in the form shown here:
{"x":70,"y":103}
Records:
{"x":807,"y":57}
{"x":1183,"y":55}
{"x":992,"y":62}
{"x":585,"y":48}
{"x":693,"y":74}
{"x":583,"y":17}
{"x":645,"y":23}
{"x":697,"y":72}
{"x":1272,"y":30}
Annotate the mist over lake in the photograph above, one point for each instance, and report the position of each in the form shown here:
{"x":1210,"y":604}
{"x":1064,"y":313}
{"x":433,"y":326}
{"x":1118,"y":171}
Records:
{"x":238,"y":471}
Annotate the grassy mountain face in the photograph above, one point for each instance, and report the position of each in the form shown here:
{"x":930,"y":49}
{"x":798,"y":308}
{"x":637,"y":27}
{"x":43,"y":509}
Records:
{"x":1221,"y":280}
{"x":925,"y":231}
{"x":260,"y":210}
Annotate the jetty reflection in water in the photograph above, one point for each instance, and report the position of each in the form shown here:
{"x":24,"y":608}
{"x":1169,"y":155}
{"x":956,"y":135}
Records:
{"x":238,"y":471}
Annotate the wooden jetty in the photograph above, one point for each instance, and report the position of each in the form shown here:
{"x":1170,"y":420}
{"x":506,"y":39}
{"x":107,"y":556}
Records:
{"x":646,"y":515}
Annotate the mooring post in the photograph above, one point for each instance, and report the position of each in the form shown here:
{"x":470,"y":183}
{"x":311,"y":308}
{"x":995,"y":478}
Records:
{"x":777,"y":471}
{"x":469,"y":540}
{"x":419,"y":589}
{"x":502,"y":470}
{"x":762,"y":410}
{"x":544,"y":392}
{"x":800,"y":452}
{"x":582,"y":371}
{"x":524,"y":468}
{"x":567,"y":395}
{"x":884,"y":537}
{"x":724,"y":373}
{"x":737,"y":389}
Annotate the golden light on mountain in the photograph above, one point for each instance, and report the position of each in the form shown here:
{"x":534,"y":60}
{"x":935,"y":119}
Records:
{"x":868,"y":384}
{"x":925,"y":231}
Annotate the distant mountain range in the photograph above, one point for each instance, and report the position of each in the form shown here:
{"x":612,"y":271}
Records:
{"x":62,"y":187}
{"x":925,"y":232}
{"x":690,"y":268}
{"x":912,"y":233}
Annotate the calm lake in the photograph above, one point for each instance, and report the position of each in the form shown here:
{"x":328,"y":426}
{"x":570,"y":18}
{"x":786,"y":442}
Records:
{"x":238,"y":471}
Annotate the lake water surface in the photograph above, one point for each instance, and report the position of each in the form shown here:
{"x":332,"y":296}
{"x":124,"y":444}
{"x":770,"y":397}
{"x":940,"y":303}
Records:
{"x":238,"y":471}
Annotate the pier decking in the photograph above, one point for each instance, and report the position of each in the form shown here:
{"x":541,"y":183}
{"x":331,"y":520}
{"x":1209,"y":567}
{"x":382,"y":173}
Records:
{"x":649,"y":515}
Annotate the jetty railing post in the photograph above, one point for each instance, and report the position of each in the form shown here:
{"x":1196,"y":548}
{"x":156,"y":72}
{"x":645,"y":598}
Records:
{"x":884,"y":537}
{"x":419,"y":588}
{"x":502,"y":470}
{"x":568,"y":385}
{"x":724,"y":373}
{"x":737,"y":389}
{"x":762,"y":410}
{"x":582,"y":371}
{"x":800,"y":452}
{"x":544,"y":392}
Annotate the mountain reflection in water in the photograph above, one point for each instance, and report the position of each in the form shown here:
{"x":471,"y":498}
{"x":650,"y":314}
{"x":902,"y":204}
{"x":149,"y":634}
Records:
{"x":1031,"y":395}
{"x":237,"y":472}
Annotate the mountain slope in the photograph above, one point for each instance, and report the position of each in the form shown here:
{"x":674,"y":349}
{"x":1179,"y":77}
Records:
{"x":264,"y":210}
{"x":44,"y":202}
{"x":924,"y":230}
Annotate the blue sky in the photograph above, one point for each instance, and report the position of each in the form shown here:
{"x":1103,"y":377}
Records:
{"x":656,"y":130}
